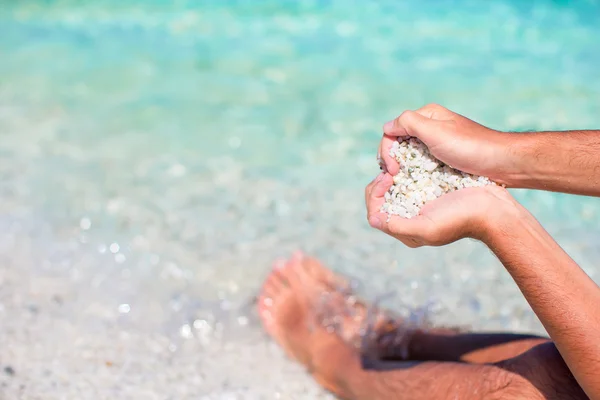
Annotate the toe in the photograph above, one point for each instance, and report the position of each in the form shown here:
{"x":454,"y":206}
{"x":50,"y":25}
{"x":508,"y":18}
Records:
{"x":290,"y":272}
{"x":269,"y":290}
{"x":317,"y":271}
{"x":279,"y":275}
{"x":275,"y":281}
{"x":313,"y":275}
{"x":279,"y":263}
{"x":273,"y":284}
{"x":265,"y":304}
{"x":326,"y":277}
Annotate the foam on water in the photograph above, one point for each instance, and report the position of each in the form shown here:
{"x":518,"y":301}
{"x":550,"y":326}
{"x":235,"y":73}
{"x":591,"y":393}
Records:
{"x":156,"y":156}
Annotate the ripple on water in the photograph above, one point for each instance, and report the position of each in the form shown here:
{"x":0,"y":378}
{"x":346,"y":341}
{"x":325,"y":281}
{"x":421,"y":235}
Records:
{"x":155,"y":159}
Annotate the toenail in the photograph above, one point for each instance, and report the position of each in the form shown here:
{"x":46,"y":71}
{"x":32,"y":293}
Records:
{"x":268,"y":302}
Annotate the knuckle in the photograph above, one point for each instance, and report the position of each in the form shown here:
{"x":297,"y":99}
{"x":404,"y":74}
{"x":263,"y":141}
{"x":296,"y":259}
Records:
{"x":434,"y":110}
{"x":369,"y":191}
{"x":398,"y":121}
{"x":371,"y":221}
{"x":433,"y":107}
{"x":392,"y":228}
{"x":451,"y":127}
{"x":404,"y":116}
{"x":370,"y":212}
{"x":411,"y":242}
{"x":377,"y":223}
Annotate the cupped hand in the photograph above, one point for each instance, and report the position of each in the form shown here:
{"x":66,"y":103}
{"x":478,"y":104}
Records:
{"x":455,"y":140}
{"x":468,"y":212}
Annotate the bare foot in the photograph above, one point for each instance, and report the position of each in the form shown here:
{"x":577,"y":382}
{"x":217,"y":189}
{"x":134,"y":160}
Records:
{"x":305,"y":308}
{"x":291,"y":314}
{"x":286,"y":307}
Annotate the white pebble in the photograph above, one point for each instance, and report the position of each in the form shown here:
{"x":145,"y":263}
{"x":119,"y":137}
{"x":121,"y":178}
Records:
{"x":186,"y":331}
{"x":124,"y":308}
{"x":422,"y":178}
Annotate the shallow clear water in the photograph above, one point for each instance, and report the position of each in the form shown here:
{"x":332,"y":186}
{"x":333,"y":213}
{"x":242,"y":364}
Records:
{"x":155,"y":156}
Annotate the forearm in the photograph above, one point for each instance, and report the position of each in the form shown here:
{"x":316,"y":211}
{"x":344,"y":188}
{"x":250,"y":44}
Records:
{"x":566,"y":162}
{"x":564,"y":298}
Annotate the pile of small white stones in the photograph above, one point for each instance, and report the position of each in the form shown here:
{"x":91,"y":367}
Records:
{"x":422,"y":178}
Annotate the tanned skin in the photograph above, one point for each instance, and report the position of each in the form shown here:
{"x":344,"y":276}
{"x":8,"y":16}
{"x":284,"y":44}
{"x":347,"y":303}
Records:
{"x":564,"y":298}
{"x":439,"y":364}
{"x":442,"y":363}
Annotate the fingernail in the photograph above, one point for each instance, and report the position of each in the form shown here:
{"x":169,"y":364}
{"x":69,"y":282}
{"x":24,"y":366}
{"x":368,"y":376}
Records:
{"x":379,"y":177}
{"x":279,"y":263}
{"x":375,"y":222}
{"x":388,"y":126}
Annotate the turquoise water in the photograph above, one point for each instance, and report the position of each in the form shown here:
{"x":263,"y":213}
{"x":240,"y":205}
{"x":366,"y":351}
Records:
{"x":207,"y":137}
{"x":294,"y":88}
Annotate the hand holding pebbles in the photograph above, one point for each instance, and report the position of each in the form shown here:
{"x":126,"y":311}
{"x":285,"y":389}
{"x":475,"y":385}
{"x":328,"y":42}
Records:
{"x":422,"y":178}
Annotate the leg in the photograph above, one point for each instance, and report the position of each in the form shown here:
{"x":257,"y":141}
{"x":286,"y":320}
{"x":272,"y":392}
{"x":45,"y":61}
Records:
{"x":479,"y":348}
{"x":543,"y":368}
{"x":287,"y":303}
{"x":539,"y":373}
{"x":287,"y":306}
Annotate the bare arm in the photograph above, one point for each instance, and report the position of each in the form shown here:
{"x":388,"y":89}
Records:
{"x":557,"y":161}
{"x":567,"y":162}
{"x":564,"y":298}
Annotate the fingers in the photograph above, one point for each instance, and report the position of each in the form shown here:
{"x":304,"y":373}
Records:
{"x":375,"y":197}
{"x":409,"y":231}
{"x":382,"y":182}
{"x":411,"y":123}
{"x":414,"y":124}
{"x":435,"y":111}
{"x":408,"y":124}
{"x":401,"y":228}
{"x":391,"y":165}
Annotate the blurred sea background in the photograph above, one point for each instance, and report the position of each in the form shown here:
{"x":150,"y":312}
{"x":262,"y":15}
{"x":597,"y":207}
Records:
{"x":155,"y":156}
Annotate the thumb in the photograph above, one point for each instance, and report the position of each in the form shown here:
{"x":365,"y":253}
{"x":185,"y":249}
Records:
{"x":413,"y":124}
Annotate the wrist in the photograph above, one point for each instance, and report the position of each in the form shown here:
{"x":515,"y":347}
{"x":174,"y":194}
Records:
{"x":518,"y":154}
{"x":501,"y":214}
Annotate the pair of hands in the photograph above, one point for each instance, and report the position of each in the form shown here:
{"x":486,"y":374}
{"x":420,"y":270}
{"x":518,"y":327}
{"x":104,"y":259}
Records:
{"x":466,"y":146}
